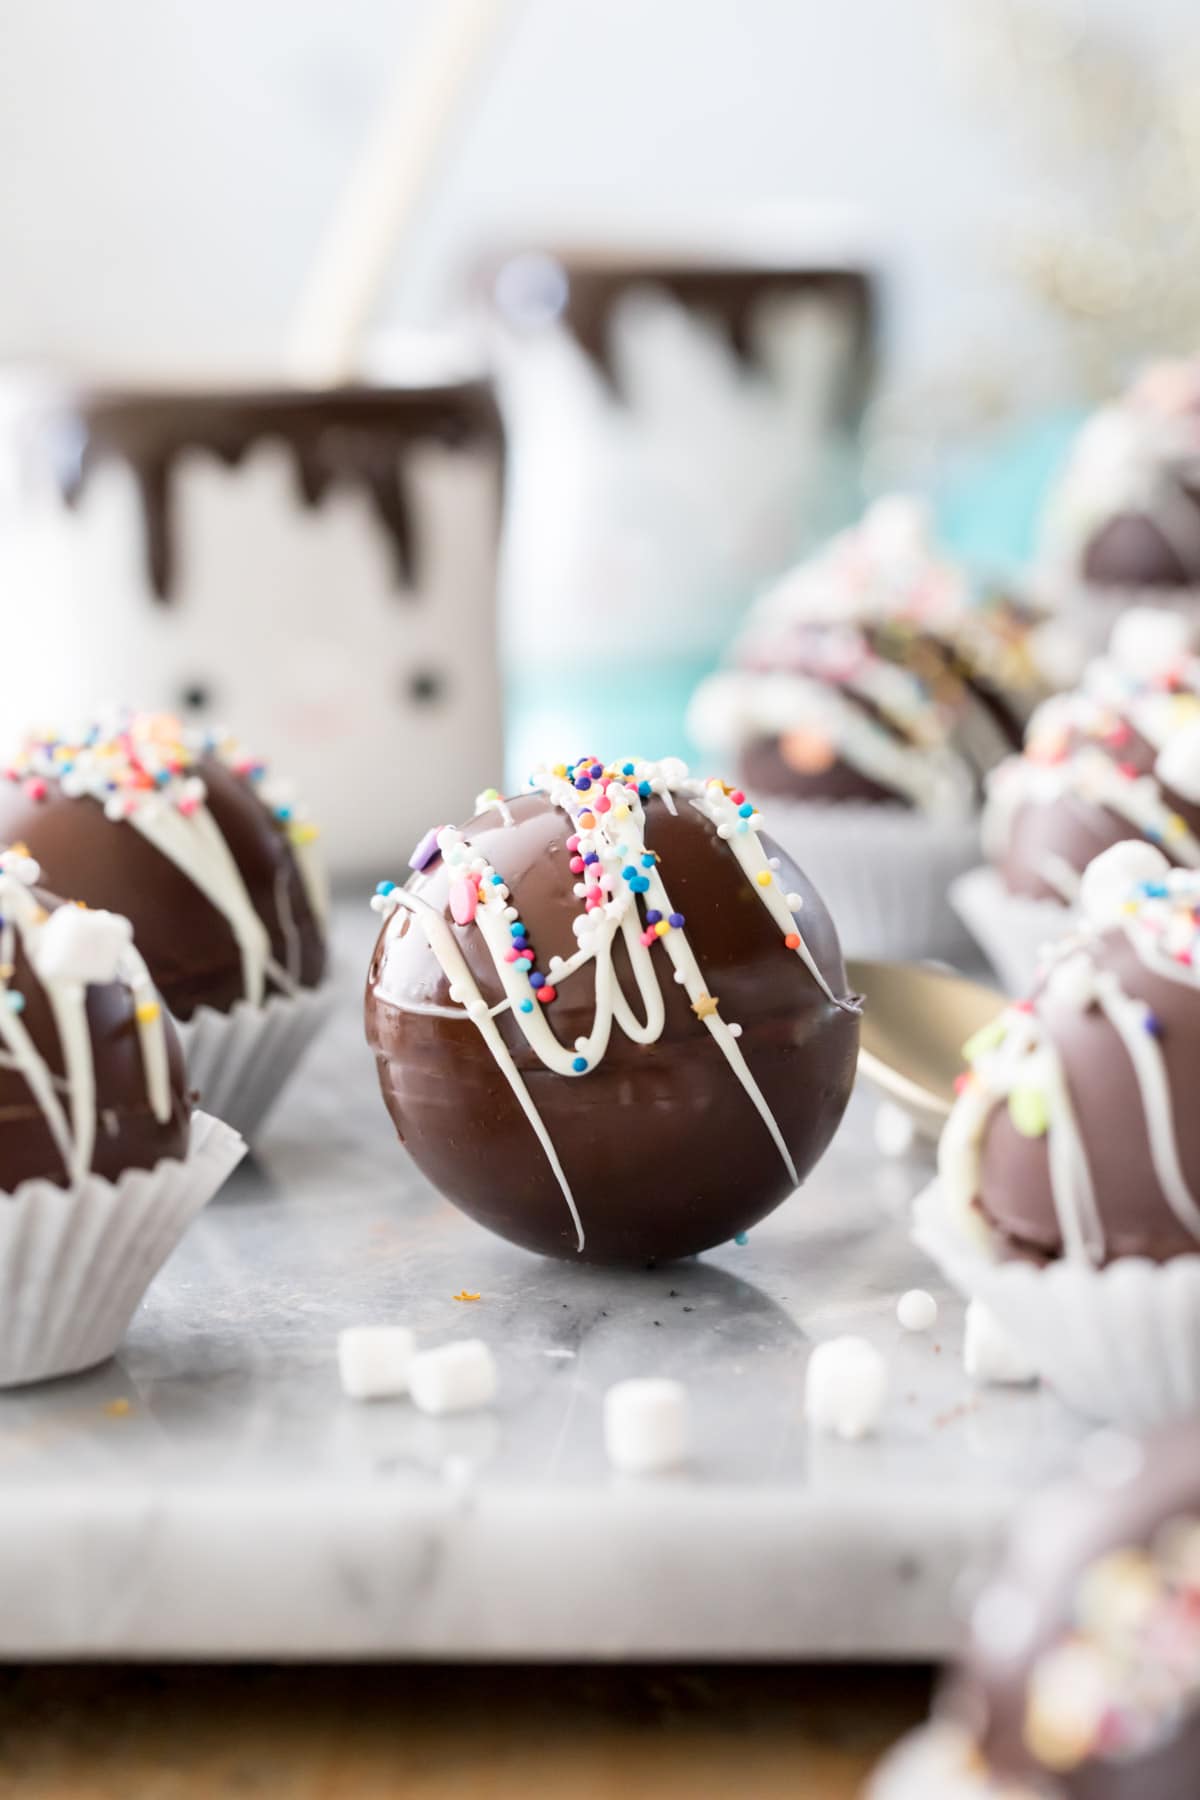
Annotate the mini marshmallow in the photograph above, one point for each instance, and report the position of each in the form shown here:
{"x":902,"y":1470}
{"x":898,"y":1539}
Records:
{"x":1148,"y":640}
{"x":990,"y":1354}
{"x":917,"y":1310}
{"x":1111,"y":878}
{"x":453,"y":1378}
{"x":894,"y":1130}
{"x":645,"y":1425}
{"x":1178,"y":764}
{"x":374,"y":1361}
{"x":845,"y":1387}
{"x":77,"y":944}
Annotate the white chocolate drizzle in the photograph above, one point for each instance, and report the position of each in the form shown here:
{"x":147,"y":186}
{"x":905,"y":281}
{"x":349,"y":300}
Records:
{"x":142,"y":768}
{"x":69,"y":950}
{"x":1015,"y":1062}
{"x":616,"y":867}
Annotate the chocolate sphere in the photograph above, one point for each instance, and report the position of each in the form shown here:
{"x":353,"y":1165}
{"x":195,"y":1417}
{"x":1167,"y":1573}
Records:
{"x":732,"y":1046}
{"x":91,"y":1069}
{"x":874,"y":674}
{"x":1082,"y":1670}
{"x":1124,"y":515}
{"x":1076,"y":1131}
{"x":183,"y":840}
{"x":1116,"y":758}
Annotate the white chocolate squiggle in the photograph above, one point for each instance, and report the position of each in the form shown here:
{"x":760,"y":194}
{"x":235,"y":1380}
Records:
{"x":610,"y":854}
{"x":142,"y":768}
{"x":1015,"y":1061}
{"x":69,"y":950}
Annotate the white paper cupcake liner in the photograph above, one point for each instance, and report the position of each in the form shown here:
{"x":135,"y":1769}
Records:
{"x":240,"y":1061}
{"x":1119,"y":1344}
{"x":882,"y":871}
{"x":1011,"y":929}
{"x":75,"y":1262}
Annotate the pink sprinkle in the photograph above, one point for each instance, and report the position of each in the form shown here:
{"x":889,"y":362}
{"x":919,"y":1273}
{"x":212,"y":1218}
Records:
{"x":737,"y":797}
{"x":187,"y":806}
{"x":595,"y":895}
{"x":648,"y":938}
{"x":604,"y":804}
{"x":464,"y":899}
{"x":547,"y":994}
{"x":512,"y":955}
{"x":577,"y":865}
{"x":573,"y":842}
{"x":36,"y":790}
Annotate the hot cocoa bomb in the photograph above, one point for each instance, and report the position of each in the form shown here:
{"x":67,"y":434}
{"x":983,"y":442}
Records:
{"x":1084,"y":1660}
{"x":1115,"y":758}
{"x":1076,"y":1130}
{"x":610,"y":1019}
{"x":1080,"y":1678}
{"x":189,"y":840}
{"x":91,"y":1071}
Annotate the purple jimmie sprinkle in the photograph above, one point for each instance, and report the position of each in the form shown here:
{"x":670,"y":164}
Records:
{"x":426,"y":850}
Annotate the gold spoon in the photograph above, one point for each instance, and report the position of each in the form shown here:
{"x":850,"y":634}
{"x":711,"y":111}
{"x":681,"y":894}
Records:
{"x":915,"y":1023}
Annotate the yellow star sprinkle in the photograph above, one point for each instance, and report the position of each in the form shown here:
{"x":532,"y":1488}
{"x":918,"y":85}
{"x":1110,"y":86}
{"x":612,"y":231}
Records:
{"x":705,"y":1006}
{"x":148,"y":1011}
{"x":764,"y":878}
{"x":466,"y":1296}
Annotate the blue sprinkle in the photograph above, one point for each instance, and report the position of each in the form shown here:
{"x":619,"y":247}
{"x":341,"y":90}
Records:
{"x":517,"y":929}
{"x":741,"y":1237}
{"x":14,"y":1001}
{"x":283,"y":812}
{"x":676,"y":920}
{"x":746,"y":810}
{"x":639,"y":884}
{"x":1152,"y":1024}
{"x":644,"y":789}
{"x":384,"y":887}
{"x":627,"y":768}
{"x":652,"y":917}
{"x":648,"y":860}
{"x":583,"y":783}
{"x":628,"y":872}
{"x":523,"y":963}
{"x":536,"y":981}
{"x":579,"y":1065}
{"x":496,"y":880}
{"x":742,"y":826}
{"x":527,"y":1006}
{"x":597,"y":769}
{"x":592,"y":856}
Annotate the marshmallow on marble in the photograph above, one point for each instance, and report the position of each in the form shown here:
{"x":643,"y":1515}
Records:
{"x":1110,"y":879}
{"x":916,"y":1310}
{"x":645,"y":1425}
{"x":845,"y":1387}
{"x":453,"y":1378}
{"x":991,"y":1354}
{"x":374,"y":1361}
{"x":77,"y":944}
{"x":1147,"y":640}
{"x":1178,"y":764}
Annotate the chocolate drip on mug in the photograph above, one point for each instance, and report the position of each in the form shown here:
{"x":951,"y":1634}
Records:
{"x":349,"y":437}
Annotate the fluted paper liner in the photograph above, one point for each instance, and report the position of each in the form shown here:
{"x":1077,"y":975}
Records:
{"x":240,"y":1061}
{"x":882,"y":871}
{"x":75,"y":1262}
{"x":1119,"y":1344}
{"x":1011,"y":929}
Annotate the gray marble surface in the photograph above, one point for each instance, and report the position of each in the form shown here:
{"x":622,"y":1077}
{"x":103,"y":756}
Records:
{"x":211,"y":1493}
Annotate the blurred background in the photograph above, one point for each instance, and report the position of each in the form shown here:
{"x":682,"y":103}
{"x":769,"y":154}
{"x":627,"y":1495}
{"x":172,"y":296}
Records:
{"x":1015,"y":178}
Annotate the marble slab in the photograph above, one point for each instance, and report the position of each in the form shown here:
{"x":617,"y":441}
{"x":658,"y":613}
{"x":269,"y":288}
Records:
{"x":211,"y":1493}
